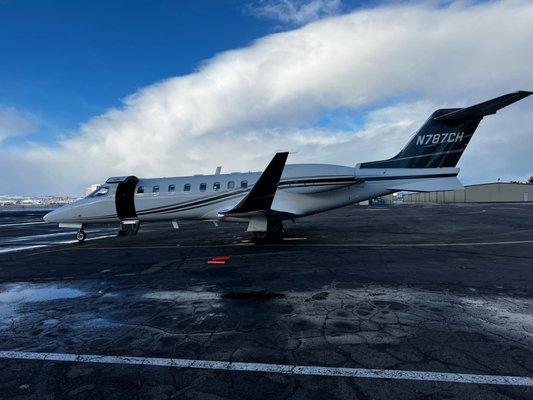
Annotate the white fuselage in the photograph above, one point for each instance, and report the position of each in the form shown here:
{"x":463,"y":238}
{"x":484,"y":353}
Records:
{"x":304,"y":189}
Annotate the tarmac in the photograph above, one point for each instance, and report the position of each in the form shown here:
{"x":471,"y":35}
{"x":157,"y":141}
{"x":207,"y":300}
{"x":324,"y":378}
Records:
{"x":403,"y":301}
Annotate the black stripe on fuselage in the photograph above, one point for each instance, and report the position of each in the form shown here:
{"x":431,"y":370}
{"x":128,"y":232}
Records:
{"x":310,"y":179}
{"x":330,"y":181}
{"x":190,"y":205}
{"x":310,"y":184}
{"x":205,"y":200}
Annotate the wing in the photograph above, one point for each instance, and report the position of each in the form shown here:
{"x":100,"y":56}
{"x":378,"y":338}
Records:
{"x":262,"y":194}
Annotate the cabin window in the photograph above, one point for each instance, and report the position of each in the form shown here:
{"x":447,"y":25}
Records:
{"x":171,"y":188}
{"x":216,"y":186}
{"x":101,"y":191}
{"x":155,"y":189}
{"x":187,"y":187}
{"x":244,"y":184}
{"x":231,"y":185}
{"x":140,"y":190}
{"x":203,"y":186}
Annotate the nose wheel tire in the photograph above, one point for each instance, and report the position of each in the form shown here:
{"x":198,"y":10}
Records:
{"x":81,"y":235}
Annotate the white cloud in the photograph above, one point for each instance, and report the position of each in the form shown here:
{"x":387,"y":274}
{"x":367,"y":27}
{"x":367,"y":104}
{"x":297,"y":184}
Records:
{"x":243,"y":105}
{"x":14,"y":123}
{"x":297,"y":12}
{"x":502,"y":148}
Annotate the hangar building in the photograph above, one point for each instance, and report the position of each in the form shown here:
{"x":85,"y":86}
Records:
{"x":482,"y":193}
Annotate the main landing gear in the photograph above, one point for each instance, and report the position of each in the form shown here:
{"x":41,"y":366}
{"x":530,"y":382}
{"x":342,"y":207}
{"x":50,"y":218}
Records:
{"x":273,"y":234}
{"x":81,"y":235}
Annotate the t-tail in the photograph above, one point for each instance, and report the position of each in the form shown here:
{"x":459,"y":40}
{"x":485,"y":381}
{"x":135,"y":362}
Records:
{"x":443,"y":138}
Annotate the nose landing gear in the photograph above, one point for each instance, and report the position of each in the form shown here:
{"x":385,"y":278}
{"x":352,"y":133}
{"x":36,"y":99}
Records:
{"x":81,"y":235}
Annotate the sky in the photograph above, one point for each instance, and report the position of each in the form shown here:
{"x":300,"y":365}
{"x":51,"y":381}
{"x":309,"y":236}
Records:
{"x":90,"y":90}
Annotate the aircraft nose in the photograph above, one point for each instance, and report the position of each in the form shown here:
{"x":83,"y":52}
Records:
{"x":56,"y":215}
{"x":67,"y":213}
{"x":51,"y":216}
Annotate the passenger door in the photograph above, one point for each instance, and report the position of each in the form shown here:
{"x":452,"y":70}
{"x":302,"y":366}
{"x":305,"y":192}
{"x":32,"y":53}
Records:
{"x":124,"y":198}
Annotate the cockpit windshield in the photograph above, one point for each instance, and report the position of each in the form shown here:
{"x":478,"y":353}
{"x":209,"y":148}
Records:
{"x":101,"y":191}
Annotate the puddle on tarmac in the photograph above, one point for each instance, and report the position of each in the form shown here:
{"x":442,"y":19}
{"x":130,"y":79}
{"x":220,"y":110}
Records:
{"x":179,"y":295}
{"x":101,"y":323}
{"x":15,"y":294}
{"x":184,"y":295}
{"x":6,"y":311}
{"x":28,"y":292}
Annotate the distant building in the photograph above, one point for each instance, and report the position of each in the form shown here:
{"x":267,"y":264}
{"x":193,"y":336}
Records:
{"x":92,"y":188}
{"x":482,"y":193}
{"x":17,"y":201}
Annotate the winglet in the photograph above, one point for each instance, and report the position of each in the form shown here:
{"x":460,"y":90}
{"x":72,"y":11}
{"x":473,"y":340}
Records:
{"x":262,"y":194}
{"x":486,"y":108}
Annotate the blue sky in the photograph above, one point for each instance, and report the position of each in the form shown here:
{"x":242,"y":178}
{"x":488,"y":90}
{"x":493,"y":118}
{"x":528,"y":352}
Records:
{"x":67,"y":61}
{"x":185,"y":86}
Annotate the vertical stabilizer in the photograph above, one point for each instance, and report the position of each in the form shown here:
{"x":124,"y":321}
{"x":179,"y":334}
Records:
{"x":443,"y":138}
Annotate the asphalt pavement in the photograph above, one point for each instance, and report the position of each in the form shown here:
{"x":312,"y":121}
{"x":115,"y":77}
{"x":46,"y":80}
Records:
{"x":402,"y":301}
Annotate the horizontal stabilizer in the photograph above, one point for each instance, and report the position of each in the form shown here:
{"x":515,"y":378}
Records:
{"x":486,"y":108}
{"x":262,"y":194}
{"x":430,"y":185}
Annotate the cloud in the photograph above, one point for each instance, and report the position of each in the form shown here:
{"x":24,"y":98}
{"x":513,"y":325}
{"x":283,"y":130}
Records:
{"x":14,"y":123}
{"x":390,"y":66}
{"x":502,"y":147}
{"x":295,"y":12}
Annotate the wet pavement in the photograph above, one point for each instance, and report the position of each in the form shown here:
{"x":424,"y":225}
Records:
{"x":425,"y":288}
{"x":25,"y":230}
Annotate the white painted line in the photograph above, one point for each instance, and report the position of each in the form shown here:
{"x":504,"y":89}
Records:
{"x":275,"y":368}
{"x":23,"y":223}
{"x":37,"y":237}
{"x":51,"y":244}
{"x":426,"y":244}
{"x":21,"y":248}
{"x":295,"y":245}
{"x":88,"y":239}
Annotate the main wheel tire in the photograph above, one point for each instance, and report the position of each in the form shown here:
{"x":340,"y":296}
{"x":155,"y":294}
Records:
{"x":274,"y":233}
{"x":81,"y":236}
{"x":260,"y":235}
{"x":275,"y":228}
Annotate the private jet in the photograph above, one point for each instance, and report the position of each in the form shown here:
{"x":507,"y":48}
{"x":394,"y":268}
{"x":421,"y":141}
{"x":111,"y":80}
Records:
{"x":285,"y":192}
